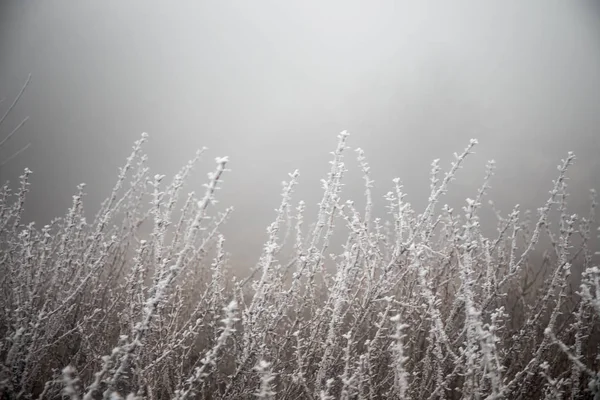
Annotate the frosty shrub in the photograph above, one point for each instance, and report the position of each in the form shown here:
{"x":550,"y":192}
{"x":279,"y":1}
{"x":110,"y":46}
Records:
{"x":140,"y":302}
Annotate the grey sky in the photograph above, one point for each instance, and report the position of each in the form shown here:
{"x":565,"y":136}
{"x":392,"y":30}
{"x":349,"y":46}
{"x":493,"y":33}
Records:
{"x":271,"y":83}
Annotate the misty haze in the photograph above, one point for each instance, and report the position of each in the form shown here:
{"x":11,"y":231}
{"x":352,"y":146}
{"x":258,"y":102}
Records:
{"x":271,"y":87}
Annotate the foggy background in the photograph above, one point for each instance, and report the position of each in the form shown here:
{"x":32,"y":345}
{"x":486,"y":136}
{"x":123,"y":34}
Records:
{"x":271,"y":84}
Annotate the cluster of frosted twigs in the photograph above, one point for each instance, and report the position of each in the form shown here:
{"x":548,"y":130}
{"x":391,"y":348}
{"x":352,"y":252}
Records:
{"x":141,"y":303}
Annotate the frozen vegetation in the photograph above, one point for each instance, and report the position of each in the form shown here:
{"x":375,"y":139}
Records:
{"x":141,"y":302}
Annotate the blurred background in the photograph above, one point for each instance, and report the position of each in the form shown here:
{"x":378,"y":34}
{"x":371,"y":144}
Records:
{"x":271,"y":83}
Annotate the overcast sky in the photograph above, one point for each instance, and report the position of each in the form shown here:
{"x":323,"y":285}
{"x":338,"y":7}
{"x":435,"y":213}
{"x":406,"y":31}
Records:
{"x":271,"y":84}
